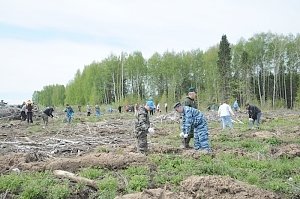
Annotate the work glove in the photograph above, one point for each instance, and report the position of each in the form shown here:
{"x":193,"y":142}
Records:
{"x":181,"y":135}
{"x":250,"y":119}
{"x":151,"y":130}
{"x":185,"y":135}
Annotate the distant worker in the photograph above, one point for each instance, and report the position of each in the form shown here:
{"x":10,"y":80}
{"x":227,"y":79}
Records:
{"x":254,"y":115}
{"x":79,"y":108}
{"x":192,"y":117}
{"x":236,"y":106}
{"x":120,"y":108}
{"x":166,"y":107}
{"x":47,"y":113}
{"x":136,"y":109}
{"x":225,"y":112}
{"x":23,"y":112}
{"x":88,"y":110}
{"x":97,"y":110}
{"x":151,"y":105}
{"x":158,"y":108}
{"x":29,"y":108}
{"x":69,"y":113}
{"x":141,"y":128}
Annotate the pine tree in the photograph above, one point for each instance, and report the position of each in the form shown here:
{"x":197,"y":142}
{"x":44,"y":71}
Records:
{"x":224,"y":59}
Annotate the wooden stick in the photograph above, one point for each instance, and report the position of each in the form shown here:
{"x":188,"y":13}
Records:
{"x":75,"y":178}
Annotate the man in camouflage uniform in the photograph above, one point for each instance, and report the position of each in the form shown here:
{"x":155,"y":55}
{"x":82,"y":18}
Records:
{"x":141,"y":128}
{"x":192,"y":117}
{"x":190,"y":101}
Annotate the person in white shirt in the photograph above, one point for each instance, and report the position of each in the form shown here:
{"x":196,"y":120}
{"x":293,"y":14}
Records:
{"x":225,"y":112}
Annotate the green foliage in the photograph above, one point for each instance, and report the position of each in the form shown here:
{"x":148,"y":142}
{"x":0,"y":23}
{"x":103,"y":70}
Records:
{"x":12,"y":182}
{"x":224,"y":59}
{"x":33,"y":185}
{"x":259,"y":65}
{"x":92,"y":173}
{"x":108,"y":188}
{"x":137,"y":183}
{"x":59,"y":191}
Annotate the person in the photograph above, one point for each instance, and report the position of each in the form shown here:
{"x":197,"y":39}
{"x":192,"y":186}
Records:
{"x":120,"y":108}
{"x":236,"y":106}
{"x":47,"y":113}
{"x":192,"y":117}
{"x":29,"y":108}
{"x":97,"y":110}
{"x":151,"y":105}
{"x":79,"y":108}
{"x":88,"y":110}
{"x":23,"y":112}
{"x":141,"y":128}
{"x":158,"y":108}
{"x":190,"y":102}
{"x":190,"y":99}
{"x":69,"y":113}
{"x":136,"y":109}
{"x":225,"y":112}
{"x":254,"y":115}
{"x":166,"y":107}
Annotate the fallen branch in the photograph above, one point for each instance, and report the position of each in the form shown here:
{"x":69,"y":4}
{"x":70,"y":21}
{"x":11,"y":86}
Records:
{"x":75,"y":178}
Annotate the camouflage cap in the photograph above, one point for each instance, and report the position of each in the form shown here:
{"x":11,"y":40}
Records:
{"x":177,"y":105}
{"x":192,"y":89}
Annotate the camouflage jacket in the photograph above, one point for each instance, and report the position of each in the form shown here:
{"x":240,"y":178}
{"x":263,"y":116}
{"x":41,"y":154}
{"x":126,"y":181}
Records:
{"x":143,"y":122}
{"x":192,"y":117}
{"x":190,"y":102}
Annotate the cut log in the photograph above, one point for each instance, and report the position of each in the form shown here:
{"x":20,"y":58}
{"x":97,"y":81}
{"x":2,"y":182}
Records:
{"x":75,"y":178}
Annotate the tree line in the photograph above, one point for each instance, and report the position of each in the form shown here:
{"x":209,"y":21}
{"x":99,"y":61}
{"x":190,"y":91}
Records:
{"x":263,"y":70}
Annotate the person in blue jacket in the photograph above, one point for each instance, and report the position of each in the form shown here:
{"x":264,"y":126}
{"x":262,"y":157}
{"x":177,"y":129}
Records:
{"x":69,"y":113}
{"x":192,"y":117}
{"x":151,"y":105}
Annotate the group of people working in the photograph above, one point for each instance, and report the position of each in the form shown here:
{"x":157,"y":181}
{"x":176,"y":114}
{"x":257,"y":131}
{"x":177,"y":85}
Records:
{"x":194,"y":124}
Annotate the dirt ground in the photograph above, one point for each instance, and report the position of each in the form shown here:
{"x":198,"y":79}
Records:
{"x":111,"y":144}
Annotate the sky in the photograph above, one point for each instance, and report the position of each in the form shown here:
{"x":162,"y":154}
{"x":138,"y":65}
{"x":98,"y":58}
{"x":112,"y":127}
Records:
{"x":44,"y":42}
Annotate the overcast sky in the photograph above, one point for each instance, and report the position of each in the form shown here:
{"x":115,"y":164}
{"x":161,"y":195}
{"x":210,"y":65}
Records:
{"x":46,"y":42}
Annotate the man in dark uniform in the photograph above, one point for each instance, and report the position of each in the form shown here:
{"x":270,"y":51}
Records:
{"x":190,"y":101}
{"x":254,"y":115}
{"x":47,"y":113}
{"x":141,"y":128}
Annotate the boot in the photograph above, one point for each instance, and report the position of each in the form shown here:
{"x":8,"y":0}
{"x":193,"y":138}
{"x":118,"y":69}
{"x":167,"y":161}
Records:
{"x":186,"y":142}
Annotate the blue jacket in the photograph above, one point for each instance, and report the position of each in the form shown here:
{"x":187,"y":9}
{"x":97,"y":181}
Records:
{"x":69,"y":111}
{"x":192,"y":117}
{"x":150,"y":103}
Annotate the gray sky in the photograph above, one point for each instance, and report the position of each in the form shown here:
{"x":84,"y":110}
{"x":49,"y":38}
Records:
{"x":46,"y":42}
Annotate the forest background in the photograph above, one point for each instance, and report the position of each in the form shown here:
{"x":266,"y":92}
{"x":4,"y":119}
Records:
{"x":262,"y":70}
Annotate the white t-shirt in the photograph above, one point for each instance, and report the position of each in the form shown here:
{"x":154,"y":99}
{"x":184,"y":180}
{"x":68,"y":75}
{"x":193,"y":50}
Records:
{"x":225,"y":110}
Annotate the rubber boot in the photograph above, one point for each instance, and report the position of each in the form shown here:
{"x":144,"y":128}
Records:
{"x":186,"y":142}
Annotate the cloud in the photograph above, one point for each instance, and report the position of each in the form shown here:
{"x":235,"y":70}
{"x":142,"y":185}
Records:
{"x":46,"y":42}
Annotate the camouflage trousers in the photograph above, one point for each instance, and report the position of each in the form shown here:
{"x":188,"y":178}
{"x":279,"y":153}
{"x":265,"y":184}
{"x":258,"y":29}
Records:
{"x":142,"y":144}
{"x":201,"y":139}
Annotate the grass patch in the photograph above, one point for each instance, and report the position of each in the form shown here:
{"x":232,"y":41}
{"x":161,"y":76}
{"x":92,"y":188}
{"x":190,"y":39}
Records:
{"x":33,"y":185}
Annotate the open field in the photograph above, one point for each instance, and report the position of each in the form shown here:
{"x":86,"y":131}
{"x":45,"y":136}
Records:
{"x":263,"y":163}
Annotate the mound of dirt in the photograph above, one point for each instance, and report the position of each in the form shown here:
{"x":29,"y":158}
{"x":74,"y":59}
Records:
{"x":37,"y":162}
{"x":263,"y":134}
{"x":211,"y":187}
{"x":290,"y":151}
{"x":208,"y":187}
{"x":155,"y":194}
{"x":107,"y":160}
